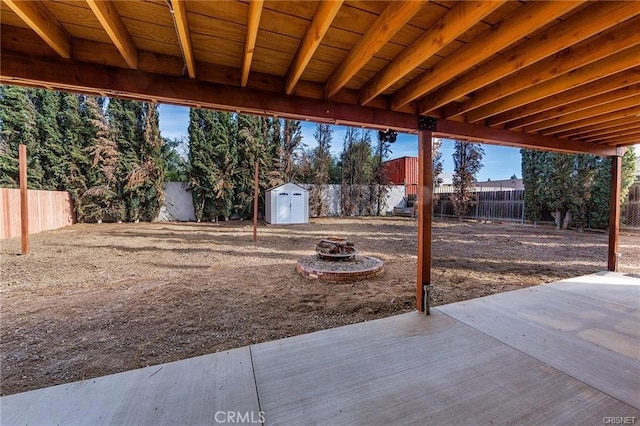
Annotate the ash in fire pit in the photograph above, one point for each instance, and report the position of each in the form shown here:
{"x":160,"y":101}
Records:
{"x":336,"y":248}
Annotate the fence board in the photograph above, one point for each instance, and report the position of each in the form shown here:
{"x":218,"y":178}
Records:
{"x":47,"y":210}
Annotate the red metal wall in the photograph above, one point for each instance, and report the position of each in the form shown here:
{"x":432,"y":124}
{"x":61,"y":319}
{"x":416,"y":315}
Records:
{"x":404,"y":171}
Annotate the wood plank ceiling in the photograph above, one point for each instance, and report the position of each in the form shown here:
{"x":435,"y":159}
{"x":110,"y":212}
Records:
{"x":563,"y":75}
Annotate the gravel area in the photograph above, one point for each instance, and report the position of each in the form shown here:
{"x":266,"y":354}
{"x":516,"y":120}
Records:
{"x":359,"y":263}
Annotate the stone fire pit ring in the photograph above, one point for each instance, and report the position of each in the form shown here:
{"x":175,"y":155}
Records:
{"x":360,"y":268}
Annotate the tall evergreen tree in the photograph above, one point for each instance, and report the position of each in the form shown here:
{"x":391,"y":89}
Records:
{"x":533,"y":169}
{"x":320,"y":167}
{"x":357,"y":172}
{"x":250,"y":149}
{"x":291,"y":147}
{"x":144,"y":187}
{"x":436,"y":148}
{"x":17,"y":126}
{"x":77,"y":162}
{"x":600,"y":193}
{"x":50,"y":150}
{"x":467,"y":161}
{"x":102,"y":201}
{"x":558,"y":184}
{"x":582,"y":182}
{"x":212,"y":159}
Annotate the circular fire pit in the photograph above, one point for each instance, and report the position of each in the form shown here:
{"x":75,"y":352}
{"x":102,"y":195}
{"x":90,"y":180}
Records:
{"x":359,"y":268}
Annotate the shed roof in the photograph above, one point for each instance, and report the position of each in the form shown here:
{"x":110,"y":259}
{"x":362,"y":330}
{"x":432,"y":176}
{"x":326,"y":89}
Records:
{"x":561,"y":75}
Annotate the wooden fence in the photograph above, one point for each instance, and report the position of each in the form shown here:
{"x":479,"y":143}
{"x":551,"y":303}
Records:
{"x":47,"y":210}
{"x":490,"y":204}
{"x":631,"y":210}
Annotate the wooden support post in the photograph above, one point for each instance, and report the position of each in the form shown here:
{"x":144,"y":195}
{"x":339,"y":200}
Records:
{"x":614,"y":213}
{"x":255,"y":202}
{"x":24,"y":199}
{"x":425,"y":218}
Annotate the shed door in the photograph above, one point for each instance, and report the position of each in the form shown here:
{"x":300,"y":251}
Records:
{"x":283,"y":207}
{"x":297,"y":207}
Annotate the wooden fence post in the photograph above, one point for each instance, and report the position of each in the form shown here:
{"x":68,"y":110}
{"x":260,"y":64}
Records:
{"x":24,"y":199}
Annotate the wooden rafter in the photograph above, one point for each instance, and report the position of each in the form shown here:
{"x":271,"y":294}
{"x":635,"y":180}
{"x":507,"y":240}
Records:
{"x":602,"y":118}
{"x":111,"y":21}
{"x":596,"y":129}
{"x":179,"y":10}
{"x":392,"y":19}
{"x":614,"y":105}
{"x":253,"y":24}
{"x":543,"y":108}
{"x":578,"y":27}
{"x":627,"y":140}
{"x":40,"y":20}
{"x":458,"y":129}
{"x":575,"y":107}
{"x":459,"y":19}
{"x":65,"y":75}
{"x":322,"y":19}
{"x":613,"y":64}
{"x":595,"y":48}
{"x":628,"y":132}
{"x":612,"y":128}
{"x":510,"y":29}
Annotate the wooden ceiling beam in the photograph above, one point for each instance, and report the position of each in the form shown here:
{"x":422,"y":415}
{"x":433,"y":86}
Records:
{"x":458,"y":20}
{"x":614,"y":105}
{"x":181,"y":21}
{"x":253,"y":24}
{"x":555,"y":104}
{"x":39,"y":19}
{"x":121,"y":82}
{"x":390,"y":21}
{"x":22,"y":69}
{"x":593,"y":49}
{"x":603,"y":118}
{"x":627,"y":140}
{"x":629,"y":131}
{"x":322,"y":19}
{"x":573,"y":30}
{"x":107,"y":14}
{"x":611,"y":128}
{"x":613,"y":64}
{"x":510,"y":29}
{"x":597,"y":129}
{"x":466,"y":131}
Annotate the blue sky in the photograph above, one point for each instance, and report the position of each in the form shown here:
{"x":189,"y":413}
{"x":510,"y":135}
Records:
{"x":499,"y":162}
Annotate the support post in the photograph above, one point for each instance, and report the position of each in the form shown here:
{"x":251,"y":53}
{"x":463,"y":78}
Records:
{"x":255,"y":202}
{"x":24,"y":199}
{"x":614,"y":213}
{"x":425,"y":219}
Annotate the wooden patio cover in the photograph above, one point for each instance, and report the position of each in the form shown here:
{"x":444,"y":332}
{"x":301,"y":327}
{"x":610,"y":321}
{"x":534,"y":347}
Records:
{"x":556,"y":75}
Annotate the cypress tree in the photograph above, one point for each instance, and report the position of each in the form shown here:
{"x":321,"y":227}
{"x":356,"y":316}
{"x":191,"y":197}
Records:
{"x":102,"y":200}
{"x":321,"y":167}
{"x":250,"y":148}
{"x":18,"y":126}
{"x":212,"y":160}
{"x":534,"y":181}
{"x":72,"y":132}
{"x":467,"y":161}
{"x":50,"y":149}
{"x":558,"y":187}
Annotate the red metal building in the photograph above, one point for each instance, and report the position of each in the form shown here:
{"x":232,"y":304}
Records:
{"x":403,"y":171}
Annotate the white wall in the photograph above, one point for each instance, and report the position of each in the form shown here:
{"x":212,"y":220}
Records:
{"x":178,"y":203}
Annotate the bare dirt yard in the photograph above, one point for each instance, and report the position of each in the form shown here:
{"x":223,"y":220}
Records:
{"x":92,"y":300}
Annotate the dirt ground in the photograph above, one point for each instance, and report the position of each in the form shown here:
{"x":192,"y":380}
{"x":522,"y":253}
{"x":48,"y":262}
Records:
{"x":92,"y":300}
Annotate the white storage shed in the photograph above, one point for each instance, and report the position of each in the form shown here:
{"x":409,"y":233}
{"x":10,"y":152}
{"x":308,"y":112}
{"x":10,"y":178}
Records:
{"x":287,"y":203}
